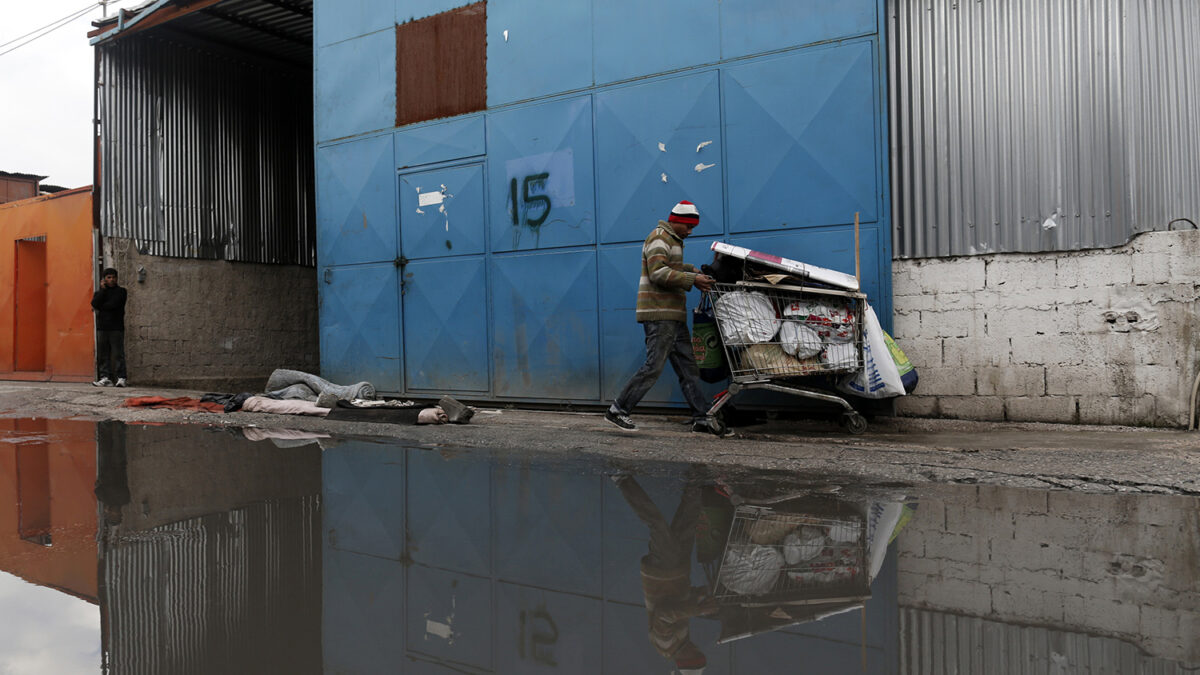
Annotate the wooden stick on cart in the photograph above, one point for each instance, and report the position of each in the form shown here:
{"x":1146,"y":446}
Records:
{"x":857,"y":271}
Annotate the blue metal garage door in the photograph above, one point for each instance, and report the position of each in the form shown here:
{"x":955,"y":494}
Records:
{"x":512,"y":236}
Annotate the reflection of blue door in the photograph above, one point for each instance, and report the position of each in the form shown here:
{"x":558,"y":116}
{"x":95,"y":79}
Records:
{"x":444,"y":283}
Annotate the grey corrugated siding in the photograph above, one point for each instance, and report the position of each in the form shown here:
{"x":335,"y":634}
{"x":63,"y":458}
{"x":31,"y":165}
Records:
{"x":1007,"y":113}
{"x":228,"y":592}
{"x":937,"y":643}
{"x":204,"y":154}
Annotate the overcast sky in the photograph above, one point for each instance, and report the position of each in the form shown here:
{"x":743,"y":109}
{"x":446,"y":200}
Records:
{"x":46,"y":631}
{"x":46,"y":91}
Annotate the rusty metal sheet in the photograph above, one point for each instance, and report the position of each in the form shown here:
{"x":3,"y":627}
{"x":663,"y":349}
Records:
{"x":441,"y":65}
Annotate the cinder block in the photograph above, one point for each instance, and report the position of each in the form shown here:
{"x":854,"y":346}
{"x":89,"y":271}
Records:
{"x":954,"y":595}
{"x":917,"y":405}
{"x":1011,"y":381}
{"x":906,"y":323}
{"x":1008,"y":502}
{"x":953,"y":275}
{"x":1100,"y":409}
{"x":915,"y":303}
{"x":982,"y":408}
{"x":1151,"y":268}
{"x":952,"y":324}
{"x":956,"y":302}
{"x":976,"y":351}
{"x":1075,"y":380}
{"x":1023,"y":604}
{"x":1020,"y":322}
{"x":904,"y":280}
{"x":999,"y":525}
{"x":947,"y":382}
{"x":1101,"y":615}
{"x":1009,"y":275}
{"x":1057,"y":409}
{"x":958,"y":547}
{"x":1096,"y":269}
{"x":922,"y":352}
{"x":1050,"y":350}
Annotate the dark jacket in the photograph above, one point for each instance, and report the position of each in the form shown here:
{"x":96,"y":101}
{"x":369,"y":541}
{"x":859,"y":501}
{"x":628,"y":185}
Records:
{"x":109,"y":304}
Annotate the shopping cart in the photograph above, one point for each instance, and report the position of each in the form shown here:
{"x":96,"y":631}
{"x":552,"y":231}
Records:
{"x":775,"y":556}
{"x":776,"y":336}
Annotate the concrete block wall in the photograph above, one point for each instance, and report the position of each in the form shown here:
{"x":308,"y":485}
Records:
{"x":214,"y":325}
{"x":1122,"y":566}
{"x":1092,"y":337}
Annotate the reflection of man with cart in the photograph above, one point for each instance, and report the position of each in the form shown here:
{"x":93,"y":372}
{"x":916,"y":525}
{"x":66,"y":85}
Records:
{"x":671,"y":601}
{"x":662,"y":311}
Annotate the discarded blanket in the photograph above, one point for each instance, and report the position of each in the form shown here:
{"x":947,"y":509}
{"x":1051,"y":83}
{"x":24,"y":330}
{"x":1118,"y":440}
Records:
{"x":181,"y":403}
{"x":285,"y":383}
{"x":289,"y":407}
{"x":387,"y":415}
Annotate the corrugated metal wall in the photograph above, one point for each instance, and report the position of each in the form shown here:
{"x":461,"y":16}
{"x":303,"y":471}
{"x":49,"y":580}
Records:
{"x":227,"y":592}
{"x":937,"y":642}
{"x":204,"y":154}
{"x":1042,"y":125}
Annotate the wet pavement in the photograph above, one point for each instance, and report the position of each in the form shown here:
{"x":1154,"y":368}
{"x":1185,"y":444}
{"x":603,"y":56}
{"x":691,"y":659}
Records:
{"x":169,"y":548}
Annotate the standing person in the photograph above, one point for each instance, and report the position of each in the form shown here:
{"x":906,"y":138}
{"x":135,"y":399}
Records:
{"x":108,"y":302}
{"x":662,"y":311}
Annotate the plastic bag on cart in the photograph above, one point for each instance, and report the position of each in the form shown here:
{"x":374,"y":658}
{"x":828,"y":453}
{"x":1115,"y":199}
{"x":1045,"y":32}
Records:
{"x":749,"y":569}
{"x":706,"y":343}
{"x":798,"y":339}
{"x":833,"y":322}
{"x":908,"y":373}
{"x":746,"y":317}
{"x":879,"y":377}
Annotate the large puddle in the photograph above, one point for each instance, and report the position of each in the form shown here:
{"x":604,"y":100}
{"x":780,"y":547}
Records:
{"x":181,"y":549}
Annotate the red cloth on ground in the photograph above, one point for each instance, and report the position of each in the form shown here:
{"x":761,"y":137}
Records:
{"x":181,"y":403}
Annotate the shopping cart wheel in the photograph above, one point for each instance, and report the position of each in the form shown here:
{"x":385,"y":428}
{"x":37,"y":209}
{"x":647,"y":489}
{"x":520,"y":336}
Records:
{"x":717,"y":426}
{"x":854,"y":423}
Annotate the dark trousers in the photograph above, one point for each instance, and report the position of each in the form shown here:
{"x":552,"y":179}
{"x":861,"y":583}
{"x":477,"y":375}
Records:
{"x":670,"y":544}
{"x":665,"y":341}
{"x":110,"y":354}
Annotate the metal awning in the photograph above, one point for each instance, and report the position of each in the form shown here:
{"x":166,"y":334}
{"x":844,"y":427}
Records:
{"x":279,"y":28}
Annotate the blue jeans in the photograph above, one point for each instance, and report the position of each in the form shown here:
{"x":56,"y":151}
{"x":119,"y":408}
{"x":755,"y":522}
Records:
{"x":665,"y":340}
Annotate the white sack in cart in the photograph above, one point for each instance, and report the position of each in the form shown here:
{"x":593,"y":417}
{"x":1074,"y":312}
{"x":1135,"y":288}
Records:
{"x":750,"y":569}
{"x":803,"y":544}
{"x":879,"y":377}
{"x":799,"y":340}
{"x":746,"y":318}
{"x":833,"y":323}
{"x":840,"y":357}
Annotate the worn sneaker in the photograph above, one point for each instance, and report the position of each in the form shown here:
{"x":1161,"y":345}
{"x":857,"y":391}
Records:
{"x":621,"y":419}
{"x":120,"y":382}
{"x":103,"y":382}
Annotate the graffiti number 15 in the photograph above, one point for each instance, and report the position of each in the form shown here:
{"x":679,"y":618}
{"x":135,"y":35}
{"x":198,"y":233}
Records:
{"x":529,"y":203}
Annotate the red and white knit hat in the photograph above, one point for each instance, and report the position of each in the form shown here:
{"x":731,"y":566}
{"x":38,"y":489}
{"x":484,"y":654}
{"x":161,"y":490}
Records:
{"x":684,"y":212}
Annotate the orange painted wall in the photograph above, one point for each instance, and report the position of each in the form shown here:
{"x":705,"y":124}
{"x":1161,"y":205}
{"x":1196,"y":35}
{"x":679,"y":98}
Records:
{"x":60,"y":455}
{"x":65,"y":219}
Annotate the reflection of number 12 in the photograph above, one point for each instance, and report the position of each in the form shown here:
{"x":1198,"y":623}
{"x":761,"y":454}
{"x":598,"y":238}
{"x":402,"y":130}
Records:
{"x":529,"y":200}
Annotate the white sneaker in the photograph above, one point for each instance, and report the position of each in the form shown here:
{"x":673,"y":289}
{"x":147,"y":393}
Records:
{"x":103,"y":382}
{"x":120,"y":382}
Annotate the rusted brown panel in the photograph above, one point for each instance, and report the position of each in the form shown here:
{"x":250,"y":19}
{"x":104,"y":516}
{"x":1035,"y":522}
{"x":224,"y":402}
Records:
{"x":441,"y":65}
{"x":13,"y":189}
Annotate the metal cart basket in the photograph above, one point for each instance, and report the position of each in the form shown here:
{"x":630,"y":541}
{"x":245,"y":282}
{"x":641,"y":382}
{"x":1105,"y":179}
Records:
{"x":773,"y":557}
{"x":776,"y":336}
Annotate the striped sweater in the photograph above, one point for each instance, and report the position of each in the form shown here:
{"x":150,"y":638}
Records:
{"x":666,"y":279}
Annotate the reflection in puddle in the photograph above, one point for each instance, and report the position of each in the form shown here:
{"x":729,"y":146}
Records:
{"x":255,"y":551}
